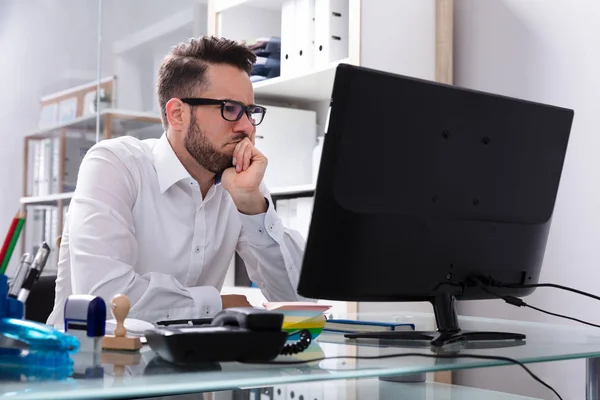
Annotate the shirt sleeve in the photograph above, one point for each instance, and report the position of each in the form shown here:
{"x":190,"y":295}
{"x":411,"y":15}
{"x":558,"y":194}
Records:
{"x":103,"y":247}
{"x":272,"y":253}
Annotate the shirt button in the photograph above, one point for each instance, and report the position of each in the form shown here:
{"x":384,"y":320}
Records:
{"x":197,"y":249}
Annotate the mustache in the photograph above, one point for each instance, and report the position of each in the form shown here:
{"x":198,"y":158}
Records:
{"x":240,"y":137}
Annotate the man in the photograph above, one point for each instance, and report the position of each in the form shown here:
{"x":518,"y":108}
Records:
{"x":159,"y":220}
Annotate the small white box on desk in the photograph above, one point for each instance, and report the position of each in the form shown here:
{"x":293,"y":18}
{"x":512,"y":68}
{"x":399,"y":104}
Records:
{"x":331,"y":31}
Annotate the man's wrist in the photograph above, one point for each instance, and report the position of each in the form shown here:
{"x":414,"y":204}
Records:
{"x":250,"y":203}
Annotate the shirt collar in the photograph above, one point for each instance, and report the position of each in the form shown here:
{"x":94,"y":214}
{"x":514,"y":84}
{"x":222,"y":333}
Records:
{"x":168,"y":167}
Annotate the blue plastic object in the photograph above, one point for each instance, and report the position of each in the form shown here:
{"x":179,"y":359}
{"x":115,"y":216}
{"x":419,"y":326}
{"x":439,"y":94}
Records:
{"x":29,"y":348}
{"x":9,"y":306}
{"x":38,"y":337}
{"x":37,"y":365}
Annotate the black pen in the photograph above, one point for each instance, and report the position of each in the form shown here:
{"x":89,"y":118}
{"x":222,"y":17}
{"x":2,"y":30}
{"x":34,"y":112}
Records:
{"x":189,"y":321}
{"x":19,"y":278}
{"x":39,"y":262}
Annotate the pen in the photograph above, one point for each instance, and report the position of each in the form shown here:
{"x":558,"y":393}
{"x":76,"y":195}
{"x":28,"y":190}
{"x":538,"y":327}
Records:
{"x":189,"y":321}
{"x":19,"y":277}
{"x":39,"y":262}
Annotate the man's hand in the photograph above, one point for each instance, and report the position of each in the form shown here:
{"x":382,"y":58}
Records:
{"x":242,"y":181}
{"x":234,"y":300}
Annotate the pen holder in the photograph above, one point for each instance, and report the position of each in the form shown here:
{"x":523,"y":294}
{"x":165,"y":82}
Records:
{"x":9,"y":306}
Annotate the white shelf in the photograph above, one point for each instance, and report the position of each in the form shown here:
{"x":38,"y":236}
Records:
{"x":123,"y":121}
{"x":288,"y":190}
{"x":224,"y":5}
{"x":312,"y":86}
{"x":51,"y":199}
{"x":75,"y":89}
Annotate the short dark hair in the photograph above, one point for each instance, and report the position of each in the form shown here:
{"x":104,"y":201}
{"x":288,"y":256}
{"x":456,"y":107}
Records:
{"x":184,"y":68}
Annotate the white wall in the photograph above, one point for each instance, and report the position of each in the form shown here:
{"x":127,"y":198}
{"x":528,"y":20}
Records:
{"x":547,"y":51}
{"x":266,"y":23}
{"x":399,"y":36}
{"x":133,"y":48}
{"x":401,"y":40}
{"x":34,"y":37}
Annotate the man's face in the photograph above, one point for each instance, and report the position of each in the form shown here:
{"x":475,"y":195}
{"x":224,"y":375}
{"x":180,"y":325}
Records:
{"x":210,"y":139}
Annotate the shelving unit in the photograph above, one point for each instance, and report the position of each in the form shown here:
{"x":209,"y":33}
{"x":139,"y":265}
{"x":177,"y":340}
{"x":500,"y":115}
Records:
{"x":52,"y":156}
{"x":407,"y":38}
{"x":113,"y":122}
{"x":48,"y":200}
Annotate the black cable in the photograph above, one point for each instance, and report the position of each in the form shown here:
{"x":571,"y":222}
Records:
{"x":552,"y":285}
{"x":563,"y":316}
{"x":520,"y":303}
{"x":299,"y":346}
{"x":447,"y":356}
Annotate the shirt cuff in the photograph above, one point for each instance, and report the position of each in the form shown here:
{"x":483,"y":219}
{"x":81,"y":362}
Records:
{"x":207,"y":300}
{"x":264,"y":229}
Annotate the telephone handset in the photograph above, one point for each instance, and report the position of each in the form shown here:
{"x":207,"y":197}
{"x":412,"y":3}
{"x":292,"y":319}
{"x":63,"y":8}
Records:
{"x":249,"y":318}
{"x":235,"y":334}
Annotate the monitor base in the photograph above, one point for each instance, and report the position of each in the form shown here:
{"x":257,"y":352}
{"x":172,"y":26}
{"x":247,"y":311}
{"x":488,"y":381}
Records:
{"x":449,"y":332}
{"x":438,"y":338}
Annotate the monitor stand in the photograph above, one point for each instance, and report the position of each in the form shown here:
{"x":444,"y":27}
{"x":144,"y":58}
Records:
{"x":444,"y":306}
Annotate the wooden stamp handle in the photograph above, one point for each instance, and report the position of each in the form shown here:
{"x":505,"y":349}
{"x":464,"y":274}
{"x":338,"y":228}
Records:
{"x":120,"y":306}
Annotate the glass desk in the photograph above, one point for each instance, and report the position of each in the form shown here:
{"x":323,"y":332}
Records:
{"x":119,"y":375}
{"x":353,"y":389}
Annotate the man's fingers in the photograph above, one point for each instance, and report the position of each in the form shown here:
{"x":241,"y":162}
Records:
{"x":238,"y":155}
{"x":247,"y":157}
{"x":236,"y":152}
{"x":242,"y":155}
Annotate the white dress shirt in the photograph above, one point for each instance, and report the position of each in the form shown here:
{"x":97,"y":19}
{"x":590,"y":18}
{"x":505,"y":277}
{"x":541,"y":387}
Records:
{"x":137,"y":224}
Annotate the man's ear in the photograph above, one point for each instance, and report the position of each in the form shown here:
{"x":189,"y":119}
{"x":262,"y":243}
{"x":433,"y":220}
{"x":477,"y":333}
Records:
{"x":177,"y":114}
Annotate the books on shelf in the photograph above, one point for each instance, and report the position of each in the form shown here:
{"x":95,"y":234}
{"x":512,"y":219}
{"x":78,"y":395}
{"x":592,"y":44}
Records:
{"x":43,"y":226}
{"x":45,"y":162}
{"x":76,"y":146}
{"x":44,"y":170}
{"x":351,"y":326}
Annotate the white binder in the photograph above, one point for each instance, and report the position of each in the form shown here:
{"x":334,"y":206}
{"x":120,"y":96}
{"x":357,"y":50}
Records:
{"x":331,"y":31}
{"x":288,"y":35}
{"x":305,"y":36}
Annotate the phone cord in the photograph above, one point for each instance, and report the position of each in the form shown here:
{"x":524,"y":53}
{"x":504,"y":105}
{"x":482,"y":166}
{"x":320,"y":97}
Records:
{"x":299,"y":346}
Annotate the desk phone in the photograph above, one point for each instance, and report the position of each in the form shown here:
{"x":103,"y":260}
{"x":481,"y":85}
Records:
{"x":235,"y":334}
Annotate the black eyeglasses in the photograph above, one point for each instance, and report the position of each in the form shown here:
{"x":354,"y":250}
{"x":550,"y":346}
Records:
{"x":232,"y":110}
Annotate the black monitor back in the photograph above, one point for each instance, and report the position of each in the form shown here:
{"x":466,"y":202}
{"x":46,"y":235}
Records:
{"x":422,"y":185}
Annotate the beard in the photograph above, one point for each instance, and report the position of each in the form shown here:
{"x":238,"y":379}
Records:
{"x":204,"y":152}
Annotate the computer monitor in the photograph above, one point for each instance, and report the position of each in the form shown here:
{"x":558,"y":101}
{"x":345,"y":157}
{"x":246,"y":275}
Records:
{"x":423,"y":186}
